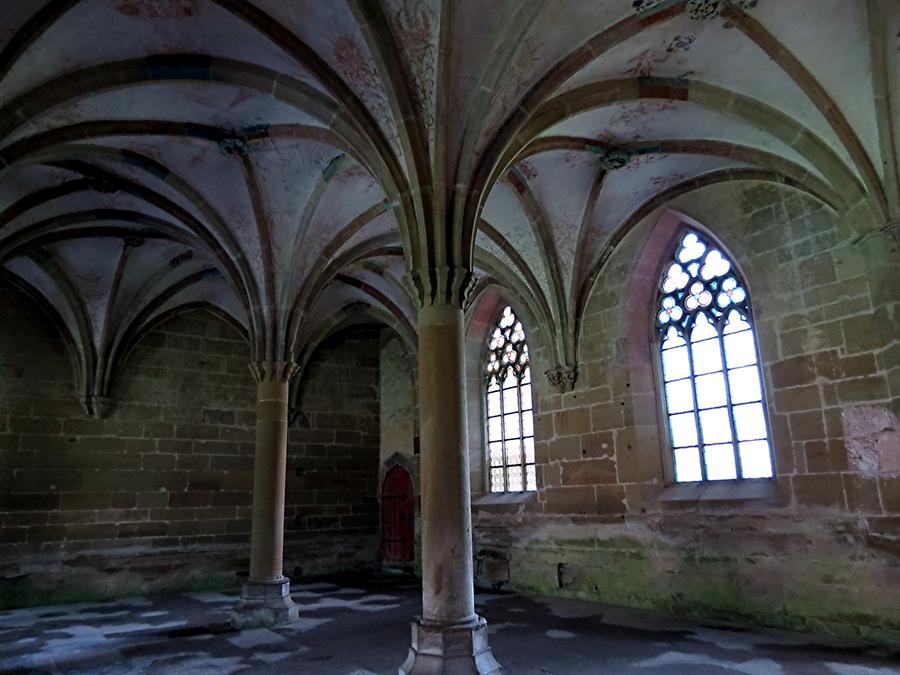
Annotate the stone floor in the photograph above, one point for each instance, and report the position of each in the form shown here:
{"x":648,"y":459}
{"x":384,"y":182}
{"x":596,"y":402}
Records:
{"x":361,"y":627}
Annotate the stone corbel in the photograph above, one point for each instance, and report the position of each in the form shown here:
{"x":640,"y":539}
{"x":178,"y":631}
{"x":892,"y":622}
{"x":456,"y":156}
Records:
{"x":97,"y":407}
{"x":562,"y":378}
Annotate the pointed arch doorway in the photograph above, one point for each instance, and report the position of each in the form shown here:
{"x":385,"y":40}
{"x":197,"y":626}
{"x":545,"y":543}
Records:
{"x":398,"y":513}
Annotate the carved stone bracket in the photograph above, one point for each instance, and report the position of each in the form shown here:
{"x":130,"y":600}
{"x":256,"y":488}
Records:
{"x":97,"y":407}
{"x":268,"y":371}
{"x":562,"y":378}
{"x":442,"y":286}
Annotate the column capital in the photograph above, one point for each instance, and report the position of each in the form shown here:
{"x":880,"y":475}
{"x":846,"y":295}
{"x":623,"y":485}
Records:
{"x":562,"y":378}
{"x":442,"y":286}
{"x":273,"y":371}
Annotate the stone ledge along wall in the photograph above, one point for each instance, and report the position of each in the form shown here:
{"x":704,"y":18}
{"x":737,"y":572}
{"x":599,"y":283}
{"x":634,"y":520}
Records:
{"x":821,"y":551}
{"x":157,"y":497}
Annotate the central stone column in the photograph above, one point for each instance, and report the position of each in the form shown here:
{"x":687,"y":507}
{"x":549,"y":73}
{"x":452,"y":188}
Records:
{"x":449,"y":637}
{"x":266,"y":597}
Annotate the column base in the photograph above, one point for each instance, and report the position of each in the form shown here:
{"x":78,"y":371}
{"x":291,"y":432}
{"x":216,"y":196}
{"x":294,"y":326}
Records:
{"x":450,"y":650}
{"x":264,"y":604}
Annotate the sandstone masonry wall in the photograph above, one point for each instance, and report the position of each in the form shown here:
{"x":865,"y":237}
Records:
{"x":332,"y":507}
{"x":819,"y":547}
{"x":157,"y":497}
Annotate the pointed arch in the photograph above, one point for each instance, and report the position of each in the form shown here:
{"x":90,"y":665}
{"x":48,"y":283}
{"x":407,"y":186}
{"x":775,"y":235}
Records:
{"x":712,"y":392}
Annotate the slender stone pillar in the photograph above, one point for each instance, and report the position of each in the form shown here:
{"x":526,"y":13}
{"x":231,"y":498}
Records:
{"x":266,"y":598}
{"x":449,"y":637}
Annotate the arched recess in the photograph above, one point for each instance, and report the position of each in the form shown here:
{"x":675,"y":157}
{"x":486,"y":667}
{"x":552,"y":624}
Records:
{"x":653,"y":463}
{"x":398,"y":518}
{"x":480,"y":320}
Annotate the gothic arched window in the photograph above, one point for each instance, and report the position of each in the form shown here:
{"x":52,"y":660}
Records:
{"x":712,"y":385}
{"x":510,"y":426}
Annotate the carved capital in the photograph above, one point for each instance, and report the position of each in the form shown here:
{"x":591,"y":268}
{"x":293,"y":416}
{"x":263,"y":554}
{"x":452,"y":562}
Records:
{"x":97,"y":407}
{"x":562,"y":378}
{"x":442,"y":286}
{"x":273,"y":371}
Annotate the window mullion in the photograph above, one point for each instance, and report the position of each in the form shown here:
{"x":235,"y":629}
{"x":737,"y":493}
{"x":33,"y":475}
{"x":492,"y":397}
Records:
{"x":503,"y":456}
{"x":738,"y":469}
{"x":701,"y":446}
{"x":521,"y":434}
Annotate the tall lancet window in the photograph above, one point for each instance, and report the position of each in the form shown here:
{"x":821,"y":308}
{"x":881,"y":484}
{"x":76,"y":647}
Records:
{"x":712,"y":385}
{"x":510,"y":425}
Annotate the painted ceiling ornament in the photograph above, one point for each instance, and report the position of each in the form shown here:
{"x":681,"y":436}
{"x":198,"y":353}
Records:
{"x":641,"y":6}
{"x":235,"y":145}
{"x":562,"y":378}
{"x":415,"y":23}
{"x":613,"y":160}
{"x":701,"y":10}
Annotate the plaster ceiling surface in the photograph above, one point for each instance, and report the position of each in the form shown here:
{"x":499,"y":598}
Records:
{"x":283,"y":163}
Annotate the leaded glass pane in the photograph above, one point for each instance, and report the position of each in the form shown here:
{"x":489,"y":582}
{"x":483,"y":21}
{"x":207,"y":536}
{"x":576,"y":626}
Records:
{"x":684,"y":429}
{"x":680,"y":396}
{"x":526,"y":397}
{"x":493,"y":403}
{"x":496,"y":453}
{"x":531,"y":477}
{"x":497,"y":480}
{"x":510,"y":425}
{"x":511,"y":399}
{"x":514,"y":451}
{"x":739,"y":349}
{"x":702,"y":296}
{"x":756,"y":462}
{"x":514,"y":474}
{"x":707,"y":357}
{"x":527,"y":424}
{"x":715,"y":426}
{"x":529,"y":450}
{"x":744,"y":383}
{"x":750,"y":421}
{"x":687,"y":465}
{"x":495,"y":432}
{"x":720,"y":462}
{"x":710,"y":390}
{"x":676,"y":364}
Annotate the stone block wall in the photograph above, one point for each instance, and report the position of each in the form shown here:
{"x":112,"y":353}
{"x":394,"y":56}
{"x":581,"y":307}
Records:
{"x":157,"y":496}
{"x":818,"y":547}
{"x":332,"y":507}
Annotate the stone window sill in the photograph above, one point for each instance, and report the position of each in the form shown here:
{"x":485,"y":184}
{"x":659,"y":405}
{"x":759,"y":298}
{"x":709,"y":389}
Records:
{"x":504,"y":498}
{"x":720,"y":490}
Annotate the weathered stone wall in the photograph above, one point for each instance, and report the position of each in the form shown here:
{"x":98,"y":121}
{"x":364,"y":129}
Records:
{"x":817,"y":548}
{"x":332,"y":503}
{"x":157,"y":497}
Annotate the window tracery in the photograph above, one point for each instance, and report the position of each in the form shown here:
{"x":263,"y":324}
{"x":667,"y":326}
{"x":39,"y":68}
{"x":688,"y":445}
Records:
{"x":712,"y":384}
{"x":508,"y":406}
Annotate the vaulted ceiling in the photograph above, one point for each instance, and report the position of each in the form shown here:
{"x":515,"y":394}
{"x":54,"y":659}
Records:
{"x":286,"y":163}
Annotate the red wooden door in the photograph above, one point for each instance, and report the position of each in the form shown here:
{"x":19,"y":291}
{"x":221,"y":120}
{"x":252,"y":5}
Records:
{"x":397,"y":517}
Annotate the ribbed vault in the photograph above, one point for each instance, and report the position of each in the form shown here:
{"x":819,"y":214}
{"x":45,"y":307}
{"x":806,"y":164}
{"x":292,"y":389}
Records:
{"x":290,"y":164}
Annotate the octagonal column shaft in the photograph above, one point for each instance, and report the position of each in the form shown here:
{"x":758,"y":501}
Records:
{"x":449,"y":637}
{"x":265,"y":598}
{"x":448,"y":595}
